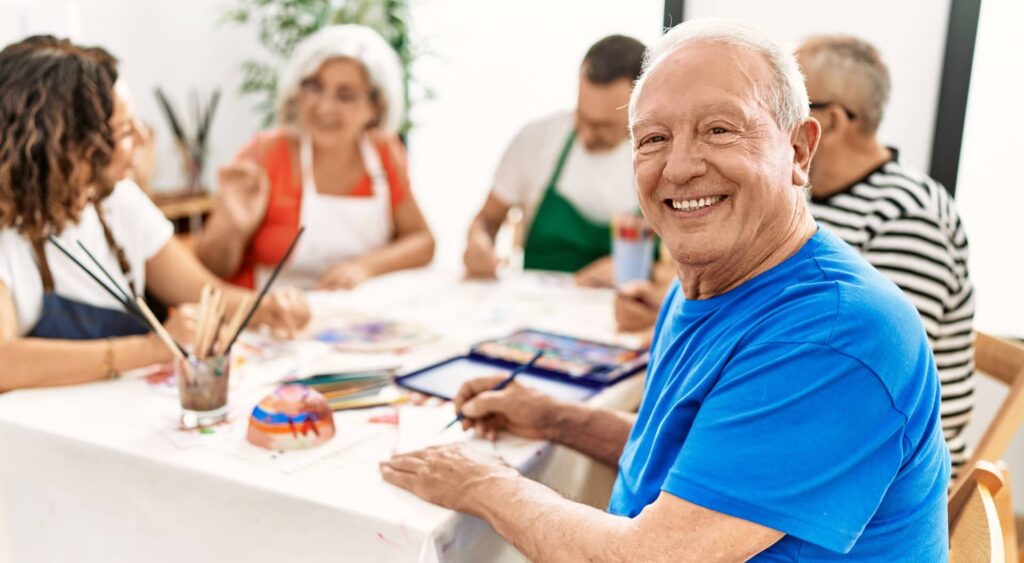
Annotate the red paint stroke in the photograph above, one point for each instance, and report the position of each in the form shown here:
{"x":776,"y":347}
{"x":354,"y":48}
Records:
{"x":384,"y":418}
{"x":381,"y":537}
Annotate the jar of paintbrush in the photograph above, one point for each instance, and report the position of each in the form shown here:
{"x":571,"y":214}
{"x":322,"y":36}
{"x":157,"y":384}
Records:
{"x":204,"y":374}
{"x":203,"y":389}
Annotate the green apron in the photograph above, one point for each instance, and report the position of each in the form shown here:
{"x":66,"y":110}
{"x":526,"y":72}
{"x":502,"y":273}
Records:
{"x":561,"y":238}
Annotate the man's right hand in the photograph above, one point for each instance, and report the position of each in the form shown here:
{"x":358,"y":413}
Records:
{"x":516,"y":408}
{"x":243,"y":192}
{"x":480,"y":259}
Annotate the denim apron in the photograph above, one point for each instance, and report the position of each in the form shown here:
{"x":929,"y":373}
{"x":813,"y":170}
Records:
{"x":67,"y":319}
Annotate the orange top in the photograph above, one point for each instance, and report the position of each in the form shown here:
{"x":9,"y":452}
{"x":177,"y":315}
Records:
{"x":281,"y":221}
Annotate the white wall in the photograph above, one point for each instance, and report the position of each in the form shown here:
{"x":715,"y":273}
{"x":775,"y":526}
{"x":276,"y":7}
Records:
{"x":990,"y":195}
{"x":990,"y":187}
{"x":910,"y":34}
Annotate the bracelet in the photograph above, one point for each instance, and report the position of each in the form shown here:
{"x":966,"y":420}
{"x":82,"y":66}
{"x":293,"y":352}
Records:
{"x":110,"y":371}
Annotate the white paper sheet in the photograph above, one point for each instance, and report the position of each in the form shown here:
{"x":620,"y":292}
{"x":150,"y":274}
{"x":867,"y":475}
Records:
{"x":423,"y":427}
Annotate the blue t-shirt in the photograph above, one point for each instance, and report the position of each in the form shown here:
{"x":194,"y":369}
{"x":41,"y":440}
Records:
{"x":805,"y":400}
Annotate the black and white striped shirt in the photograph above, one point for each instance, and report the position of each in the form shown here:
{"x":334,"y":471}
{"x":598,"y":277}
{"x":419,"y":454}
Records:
{"x":905,"y":224}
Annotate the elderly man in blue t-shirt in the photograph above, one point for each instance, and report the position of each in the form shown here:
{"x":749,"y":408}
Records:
{"x":791,"y":409}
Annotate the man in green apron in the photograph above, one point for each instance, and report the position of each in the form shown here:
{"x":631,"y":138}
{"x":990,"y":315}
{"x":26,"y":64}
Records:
{"x":569,"y":174}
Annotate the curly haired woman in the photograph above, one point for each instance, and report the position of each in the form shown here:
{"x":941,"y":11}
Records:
{"x":66,"y":140}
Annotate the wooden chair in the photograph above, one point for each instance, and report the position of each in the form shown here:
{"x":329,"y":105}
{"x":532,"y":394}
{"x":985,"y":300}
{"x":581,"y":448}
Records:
{"x":1003,"y":361}
{"x":975,"y":535}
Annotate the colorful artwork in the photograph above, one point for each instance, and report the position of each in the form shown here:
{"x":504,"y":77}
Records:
{"x":562,"y":354}
{"x":375,"y":336}
{"x":292,"y":417}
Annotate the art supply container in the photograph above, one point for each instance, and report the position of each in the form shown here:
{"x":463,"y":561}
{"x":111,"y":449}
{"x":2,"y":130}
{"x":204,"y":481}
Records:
{"x":203,"y":389}
{"x":633,"y":244}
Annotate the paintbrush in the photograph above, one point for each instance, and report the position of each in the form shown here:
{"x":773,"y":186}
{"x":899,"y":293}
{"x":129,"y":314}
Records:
{"x":503,"y":383}
{"x":204,"y":126}
{"x":201,"y":321}
{"x":162,"y":333}
{"x":172,"y":117}
{"x":266,"y":287}
{"x":218,"y":323}
{"x":126,"y":297}
{"x":234,"y":325}
{"x":113,"y":293}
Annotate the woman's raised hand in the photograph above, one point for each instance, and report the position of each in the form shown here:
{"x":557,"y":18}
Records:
{"x":243,"y":193}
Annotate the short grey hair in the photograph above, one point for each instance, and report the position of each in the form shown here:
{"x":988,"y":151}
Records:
{"x":785,"y":94}
{"x":851,"y":71}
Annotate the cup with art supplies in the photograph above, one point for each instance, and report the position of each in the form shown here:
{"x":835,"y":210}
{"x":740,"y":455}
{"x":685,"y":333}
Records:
{"x":193,"y":148}
{"x":203,"y":375}
{"x":633,"y":244}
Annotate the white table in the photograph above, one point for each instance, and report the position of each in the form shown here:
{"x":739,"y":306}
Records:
{"x":94,"y":472}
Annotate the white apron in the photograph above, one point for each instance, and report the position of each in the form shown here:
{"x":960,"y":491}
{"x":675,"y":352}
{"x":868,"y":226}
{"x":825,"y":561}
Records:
{"x":337,"y":227}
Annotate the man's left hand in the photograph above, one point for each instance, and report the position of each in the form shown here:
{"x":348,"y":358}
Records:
{"x":599,"y":273}
{"x":447,"y":475}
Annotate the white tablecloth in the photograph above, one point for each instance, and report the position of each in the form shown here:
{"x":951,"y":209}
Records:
{"x":97,"y":473}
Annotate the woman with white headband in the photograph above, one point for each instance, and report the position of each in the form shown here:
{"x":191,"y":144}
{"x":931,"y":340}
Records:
{"x":334,"y":166}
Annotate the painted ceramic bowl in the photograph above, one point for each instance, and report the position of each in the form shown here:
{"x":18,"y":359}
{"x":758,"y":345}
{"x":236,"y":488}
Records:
{"x":291,"y":418}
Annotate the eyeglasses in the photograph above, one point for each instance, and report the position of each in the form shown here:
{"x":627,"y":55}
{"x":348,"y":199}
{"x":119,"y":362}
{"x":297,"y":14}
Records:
{"x":344,"y":96}
{"x":824,"y":105}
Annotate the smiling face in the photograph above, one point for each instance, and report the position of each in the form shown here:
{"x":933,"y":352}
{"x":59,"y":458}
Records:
{"x":716,"y":177}
{"x":336,"y":104}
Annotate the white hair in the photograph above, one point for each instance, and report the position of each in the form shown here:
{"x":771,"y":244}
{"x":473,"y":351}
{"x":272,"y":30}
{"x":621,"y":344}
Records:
{"x":785,"y":95}
{"x":351,"y":41}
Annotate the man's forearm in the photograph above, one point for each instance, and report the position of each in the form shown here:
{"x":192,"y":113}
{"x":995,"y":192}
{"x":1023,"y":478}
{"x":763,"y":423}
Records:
{"x":596,"y":432}
{"x":545,"y":526}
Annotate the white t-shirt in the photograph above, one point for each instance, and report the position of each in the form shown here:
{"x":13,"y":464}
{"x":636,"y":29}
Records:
{"x":137,"y":225}
{"x":599,"y":185}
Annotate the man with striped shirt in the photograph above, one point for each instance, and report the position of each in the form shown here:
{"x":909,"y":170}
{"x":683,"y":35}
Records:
{"x":904,"y":223}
